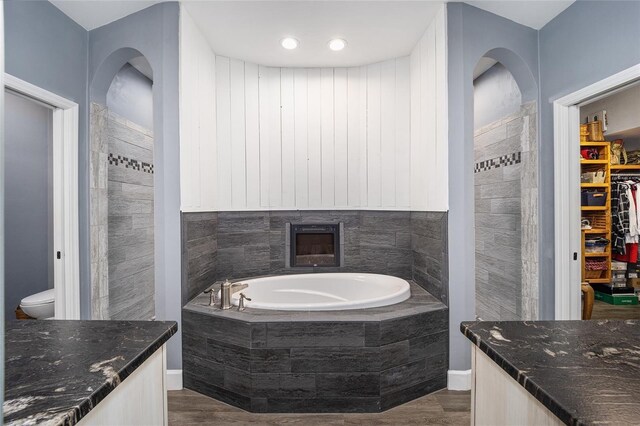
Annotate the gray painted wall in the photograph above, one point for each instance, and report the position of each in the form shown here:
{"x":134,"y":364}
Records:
{"x":131,"y":96}
{"x":154,"y":33}
{"x":496,"y":95}
{"x":471,"y":34}
{"x":28,"y":190}
{"x":45,"y":47}
{"x":564,"y":68}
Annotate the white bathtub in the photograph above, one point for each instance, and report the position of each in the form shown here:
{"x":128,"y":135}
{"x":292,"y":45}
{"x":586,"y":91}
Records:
{"x":323,"y":292}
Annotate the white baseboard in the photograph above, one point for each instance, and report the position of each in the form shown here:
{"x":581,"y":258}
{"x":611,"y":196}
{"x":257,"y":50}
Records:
{"x":174,"y":379}
{"x":459,"y":380}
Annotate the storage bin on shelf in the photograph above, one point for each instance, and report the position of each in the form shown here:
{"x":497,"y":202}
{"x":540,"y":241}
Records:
{"x":594,"y":198}
{"x":596,"y":245}
{"x":595,"y":268}
{"x":597,"y":176}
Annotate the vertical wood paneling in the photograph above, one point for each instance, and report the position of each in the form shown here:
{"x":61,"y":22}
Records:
{"x":223,"y":123}
{"x":442,"y":123}
{"x":252,"y":119}
{"x":275,"y":137}
{"x":373,"y":135}
{"x":207,"y":181}
{"x":364,"y":139}
{"x":198,"y":168}
{"x":264,"y":92}
{"x":314,"y":136}
{"x":403,"y":133}
{"x":353,"y":136}
{"x":388,"y":133}
{"x":188,"y":123}
{"x":341,"y":145}
{"x":327,"y":137}
{"x":238,"y":126}
{"x":417,"y":168}
{"x":301,"y":160}
{"x":428,"y":106}
{"x":288,"y":138}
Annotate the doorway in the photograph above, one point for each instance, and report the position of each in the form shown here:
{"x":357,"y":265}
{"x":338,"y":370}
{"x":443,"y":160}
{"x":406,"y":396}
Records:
{"x":42,"y":143}
{"x":568,"y":174}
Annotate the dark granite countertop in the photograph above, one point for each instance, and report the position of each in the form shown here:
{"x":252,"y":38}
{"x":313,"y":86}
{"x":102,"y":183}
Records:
{"x":420,"y":301}
{"x":57,"y":371}
{"x":585,"y":372}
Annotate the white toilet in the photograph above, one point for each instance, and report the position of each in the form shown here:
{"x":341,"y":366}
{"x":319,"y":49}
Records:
{"x":39,"y":305}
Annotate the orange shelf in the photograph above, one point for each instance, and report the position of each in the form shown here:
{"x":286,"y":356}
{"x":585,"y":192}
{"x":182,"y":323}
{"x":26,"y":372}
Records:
{"x":625,"y":167}
{"x":594,"y":208}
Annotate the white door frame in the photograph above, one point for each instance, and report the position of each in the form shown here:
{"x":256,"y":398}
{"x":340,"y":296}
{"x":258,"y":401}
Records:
{"x":65,"y":195}
{"x":566,"y":148}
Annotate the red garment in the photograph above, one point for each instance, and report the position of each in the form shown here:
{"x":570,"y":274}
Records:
{"x":631,"y":256}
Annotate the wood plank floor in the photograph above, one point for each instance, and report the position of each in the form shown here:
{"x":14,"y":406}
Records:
{"x":603,"y":310}
{"x":188,"y":408}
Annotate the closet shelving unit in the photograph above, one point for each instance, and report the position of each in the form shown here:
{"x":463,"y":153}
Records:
{"x":598,"y":216}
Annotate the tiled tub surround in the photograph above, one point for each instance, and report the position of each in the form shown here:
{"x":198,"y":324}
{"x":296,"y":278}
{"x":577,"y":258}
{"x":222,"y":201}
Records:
{"x":410,"y":245}
{"x":122,"y":237}
{"x":365,"y":360}
{"x":199,"y":253}
{"x":505,"y":178}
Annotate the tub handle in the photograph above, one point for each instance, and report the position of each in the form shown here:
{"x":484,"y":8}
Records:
{"x":241,"y":301}
{"x":212,"y":296}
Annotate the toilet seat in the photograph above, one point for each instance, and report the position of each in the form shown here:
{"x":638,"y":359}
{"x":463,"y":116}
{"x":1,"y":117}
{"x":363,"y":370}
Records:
{"x":42,"y":298}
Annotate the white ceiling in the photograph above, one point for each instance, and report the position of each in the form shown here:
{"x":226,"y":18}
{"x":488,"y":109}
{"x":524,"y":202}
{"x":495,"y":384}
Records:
{"x":96,"y":13}
{"x":532,"y":13}
{"x":252,"y":30}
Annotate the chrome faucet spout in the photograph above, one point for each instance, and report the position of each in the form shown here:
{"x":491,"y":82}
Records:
{"x":225,"y":293}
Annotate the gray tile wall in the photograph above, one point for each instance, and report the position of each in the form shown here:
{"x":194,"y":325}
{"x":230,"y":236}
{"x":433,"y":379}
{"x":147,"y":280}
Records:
{"x":130,"y":221}
{"x":505,"y":211}
{"x":249,"y":243}
{"x":430,"y":264}
{"x":98,"y":203}
{"x":199,"y":252}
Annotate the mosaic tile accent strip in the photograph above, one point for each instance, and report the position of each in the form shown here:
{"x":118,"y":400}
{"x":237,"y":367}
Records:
{"x":129,"y":163}
{"x":494,"y":163}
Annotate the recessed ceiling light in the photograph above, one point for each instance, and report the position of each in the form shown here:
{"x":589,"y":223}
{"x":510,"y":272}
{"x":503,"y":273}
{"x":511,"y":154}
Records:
{"x":289,"y":43}
{"x":337,"y":44}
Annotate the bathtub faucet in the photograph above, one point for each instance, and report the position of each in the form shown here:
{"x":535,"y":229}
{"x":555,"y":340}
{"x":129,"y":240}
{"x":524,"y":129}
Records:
{"x":225,"y":294}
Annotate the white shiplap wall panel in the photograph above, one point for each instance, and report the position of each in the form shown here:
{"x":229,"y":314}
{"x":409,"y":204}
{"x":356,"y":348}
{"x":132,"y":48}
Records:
{"x":440,"y":175}
{"x":301,"y":136}
{"x":327,"y":137}
{"x":370,"y":137}
{"x":238,"y":134}
{"x":223,"y":124}
{"x":273,"y":101}
{"x":353,"y":136}
{"x":341,"y":139}
{"x":252,"y":120}
{"x":288,"y":138}
{"x":314,"y":138}
{"x":264,"y":124}
{"x":198,"y":151}
{"x":364,"y":141}
{"x":373,"y":136}
{"x":403,"y":133}
{"x":388,"y":133}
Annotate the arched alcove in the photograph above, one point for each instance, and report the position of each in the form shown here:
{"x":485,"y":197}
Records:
{"x":505,"y":188}
{"x":122,"y":188}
